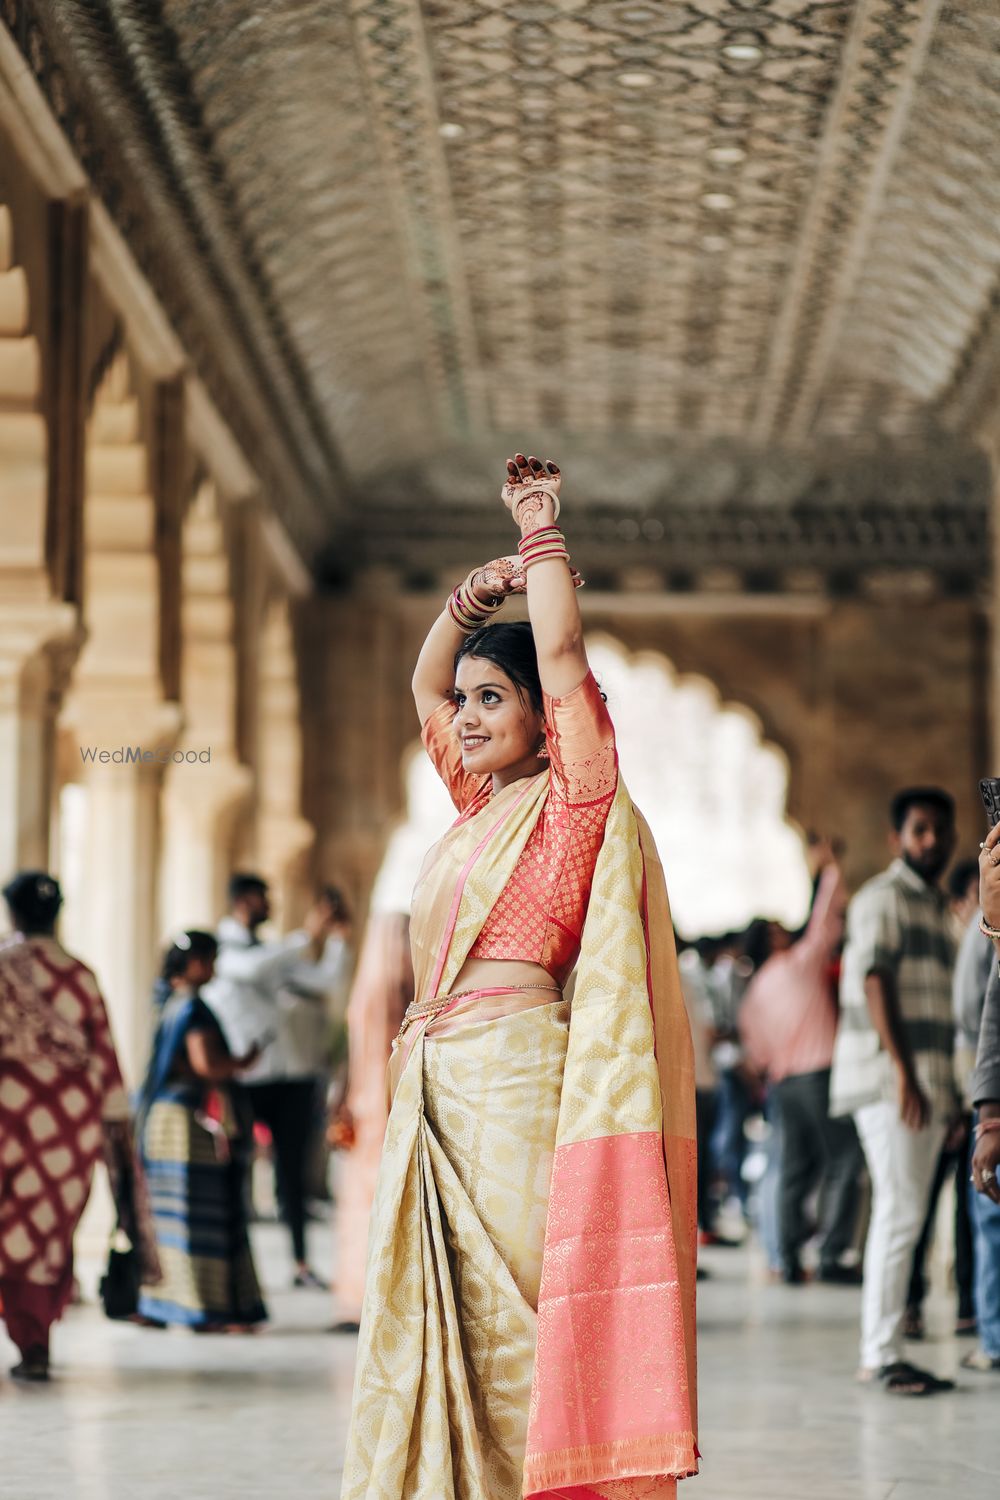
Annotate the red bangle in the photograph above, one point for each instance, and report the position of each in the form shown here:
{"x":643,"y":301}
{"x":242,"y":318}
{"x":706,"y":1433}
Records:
{"x":985,"y":1126}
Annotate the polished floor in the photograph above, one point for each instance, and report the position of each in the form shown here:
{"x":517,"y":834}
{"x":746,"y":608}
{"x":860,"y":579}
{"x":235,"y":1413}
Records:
{"x":140,"y":1415}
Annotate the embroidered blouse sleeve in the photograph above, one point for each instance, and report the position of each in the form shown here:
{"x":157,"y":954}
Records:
{"x":443,"y":748}
{"x":581,"y":745}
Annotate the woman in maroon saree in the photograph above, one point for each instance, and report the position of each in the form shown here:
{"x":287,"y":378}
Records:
{"x":62,"y":1105}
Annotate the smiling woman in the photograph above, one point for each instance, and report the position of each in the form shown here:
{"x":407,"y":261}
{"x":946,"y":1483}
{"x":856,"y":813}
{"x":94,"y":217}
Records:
{"x":538,"y":1172}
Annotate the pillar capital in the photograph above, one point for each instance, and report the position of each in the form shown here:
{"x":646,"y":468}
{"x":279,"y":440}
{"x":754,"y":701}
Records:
{"x":208,"y":789}
{"x":103,"y":717}
{"x":282,"y":840}
{"x":40,"y":640}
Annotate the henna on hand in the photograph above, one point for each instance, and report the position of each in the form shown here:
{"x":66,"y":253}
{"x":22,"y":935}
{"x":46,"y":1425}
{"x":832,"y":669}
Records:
{"x":535,"y":509}
{"x":504,"y":576}
{"x":531,"y":493}
{"x":532,"y":505}
{"x":496,"y":579}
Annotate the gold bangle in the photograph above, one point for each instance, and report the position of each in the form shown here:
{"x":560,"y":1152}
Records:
{"x":988,"y":931}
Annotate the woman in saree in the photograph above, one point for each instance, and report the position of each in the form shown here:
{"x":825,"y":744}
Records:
{"x":193,"y":1155}
{"x":62,"y":1107}
{"x":528,"y":1323}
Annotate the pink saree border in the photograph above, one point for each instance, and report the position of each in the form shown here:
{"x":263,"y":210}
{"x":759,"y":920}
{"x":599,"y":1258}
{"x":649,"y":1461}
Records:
{"x":608,"y":1402}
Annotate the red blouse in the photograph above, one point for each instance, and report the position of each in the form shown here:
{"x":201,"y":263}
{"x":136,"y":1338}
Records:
{"x":538,"y":917}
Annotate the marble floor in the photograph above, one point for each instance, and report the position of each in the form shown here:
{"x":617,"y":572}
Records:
{"x":139,"y":1415}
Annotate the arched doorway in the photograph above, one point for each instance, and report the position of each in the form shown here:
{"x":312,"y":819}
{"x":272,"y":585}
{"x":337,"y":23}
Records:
{"x":713,"y":790}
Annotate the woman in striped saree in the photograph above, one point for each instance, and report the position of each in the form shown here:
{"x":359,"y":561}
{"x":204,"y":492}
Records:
{"x":194,"y":1157}
{"x":528,"y":1323}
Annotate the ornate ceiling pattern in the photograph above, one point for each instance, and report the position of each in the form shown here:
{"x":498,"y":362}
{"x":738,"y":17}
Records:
{"x":703,"y":251}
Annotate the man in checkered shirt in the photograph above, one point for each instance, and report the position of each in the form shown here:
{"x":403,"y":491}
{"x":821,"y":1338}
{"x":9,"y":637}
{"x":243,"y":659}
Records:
{"x":893,"y":1063}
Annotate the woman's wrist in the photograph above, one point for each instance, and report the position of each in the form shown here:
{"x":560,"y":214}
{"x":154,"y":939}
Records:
{"x":468,"y":611}
{"x":544,"y":544}
{"x":536,"y":509}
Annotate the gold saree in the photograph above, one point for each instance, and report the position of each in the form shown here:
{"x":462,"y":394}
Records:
{"x":528,"y":1325}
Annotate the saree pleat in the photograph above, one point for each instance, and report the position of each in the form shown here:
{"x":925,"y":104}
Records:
{"x":460,"y":1248}
{"x":528,"y":1322}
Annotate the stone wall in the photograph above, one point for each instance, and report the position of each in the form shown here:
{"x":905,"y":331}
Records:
{"x":862,"y":698}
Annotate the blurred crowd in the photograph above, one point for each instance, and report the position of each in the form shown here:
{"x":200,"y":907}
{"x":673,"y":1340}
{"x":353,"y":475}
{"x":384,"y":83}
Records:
{"x":838,"y":1099}
{"x":248,"y":1043}
{"x":837,"y":1089}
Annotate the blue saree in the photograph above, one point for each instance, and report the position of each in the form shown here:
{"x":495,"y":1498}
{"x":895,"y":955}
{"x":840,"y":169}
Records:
{"x":195,"y":1169}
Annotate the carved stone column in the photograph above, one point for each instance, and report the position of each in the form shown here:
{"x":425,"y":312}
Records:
{"x":122,"y":723}
{"x":206,"y":793}
{"x":284,"y":837}
{"x":113,"y":922}
{"x":38,"y":644}
{"x":40,"y":634}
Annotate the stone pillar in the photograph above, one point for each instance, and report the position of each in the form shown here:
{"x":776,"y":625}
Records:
{"x":113,"y":923}
{"x":285,"y":838}
{"x":204,"y":795}
{"x":38,"y":644}
{"x":122,"y":724}
{"x":39,"y":633}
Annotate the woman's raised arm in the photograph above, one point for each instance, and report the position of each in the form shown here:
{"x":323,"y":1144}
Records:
{"x":434,"y":673}
{"x":472,"y":603}
{"x":532,"y":496}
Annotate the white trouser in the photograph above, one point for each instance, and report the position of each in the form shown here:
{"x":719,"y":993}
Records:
{"x":901,"y":1164}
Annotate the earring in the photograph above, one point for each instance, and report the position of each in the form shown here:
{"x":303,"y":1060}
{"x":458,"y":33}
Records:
{"x":543,"y":750}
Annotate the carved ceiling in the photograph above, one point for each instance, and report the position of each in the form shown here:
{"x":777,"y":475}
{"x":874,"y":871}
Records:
{"x":717,"y":256}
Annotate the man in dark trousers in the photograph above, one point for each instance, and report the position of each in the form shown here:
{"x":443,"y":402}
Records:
{"x":251,"y":977}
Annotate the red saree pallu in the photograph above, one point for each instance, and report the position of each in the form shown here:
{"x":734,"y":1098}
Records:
{"x":529,"y":1318}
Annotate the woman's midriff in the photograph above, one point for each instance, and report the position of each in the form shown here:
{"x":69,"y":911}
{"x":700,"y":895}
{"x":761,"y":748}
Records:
{"x":491,"y":973}
{"x":492,"y":988}
{"x":486,"y":990}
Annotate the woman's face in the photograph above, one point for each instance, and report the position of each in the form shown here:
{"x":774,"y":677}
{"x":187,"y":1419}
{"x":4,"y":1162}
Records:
{"x":198,"y":972}
{"x":497,"y":727}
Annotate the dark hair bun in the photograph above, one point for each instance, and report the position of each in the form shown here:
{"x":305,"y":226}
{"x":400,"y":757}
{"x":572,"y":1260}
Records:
{"x":34,"y":898}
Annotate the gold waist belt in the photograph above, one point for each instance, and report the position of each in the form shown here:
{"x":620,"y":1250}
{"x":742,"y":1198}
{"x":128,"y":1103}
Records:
{"x":420,"y":1010}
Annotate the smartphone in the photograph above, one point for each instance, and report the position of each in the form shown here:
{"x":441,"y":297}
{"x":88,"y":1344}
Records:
{"x":989,"y":790}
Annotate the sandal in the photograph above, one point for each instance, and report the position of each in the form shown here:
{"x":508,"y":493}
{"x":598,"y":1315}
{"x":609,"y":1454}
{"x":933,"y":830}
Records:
{"x":34,"y":1365}
{"x":979,"y":1360}
{"x":903,"y":1379}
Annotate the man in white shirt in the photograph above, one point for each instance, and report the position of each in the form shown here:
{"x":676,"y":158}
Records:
{"x":893,"y":1064}
{"x":249,"y":996}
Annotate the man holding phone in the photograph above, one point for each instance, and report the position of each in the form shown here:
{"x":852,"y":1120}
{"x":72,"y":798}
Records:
{"x":893,"y":1066}
{"x":986,"y":1155}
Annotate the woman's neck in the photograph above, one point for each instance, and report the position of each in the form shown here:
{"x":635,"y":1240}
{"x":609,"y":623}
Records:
{"x":530,"y":766}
